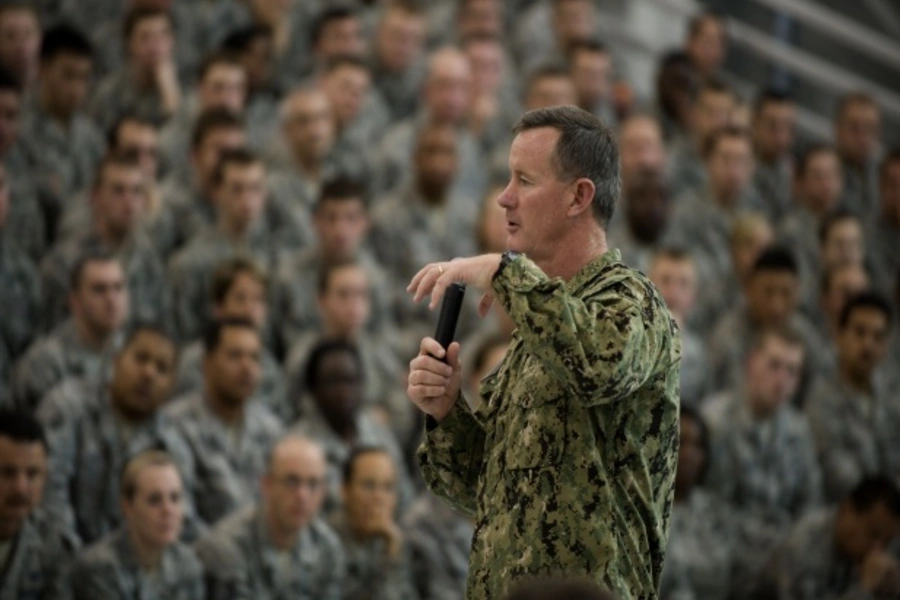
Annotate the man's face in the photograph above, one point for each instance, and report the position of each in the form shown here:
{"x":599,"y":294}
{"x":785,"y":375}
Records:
{"x":142,"y":141}
{"x":436,"y":160}
{"x":345,"y":304}
{"x":23,"y":471}
{"x":399,"y":40}
{"x":592,"y":75}
{"x":860,"y":533}
{"x":862,"y":342}
{"x":258,"y":60}
{"x":347,"y":88}
{"x":295,"y":486}
{"x":843,"y":244}
{"x":340,"y":38}
{"x":223,"y":86}
{"x":341,"y":225}
{"x":641,"y":148}
{"x":20,"y":40}
{"x":858,"y":131}
{"x":232,"y":369}
{"x":245,"y":299}
{"x":310,"y":126}
{"x":707,"y":47}
{"x":9,"y":120}
{"x":339,"y":392}
{"x":100,"y":301}
{"x":573,"y":20}
{"x":448,"y":89}
{"x":773,"y":374}
{"x":845,"y":282}
{"x":155,"y":512}
{"x":822,"y":183}
{"x":647,"y":212}
{"x":550,"y":91}
{"x":486,"y":59}
{"x":120,"y":198}
{"x":151,"y":43}
{"x":691,"y":454}
{"x":889,"y":186}
{"x":480,"y":17}
{"x":370,"y":496}
{"x":674,"y":88}
{"x":772,"y":297}
{"x":677,"y":282}
{"x":773,"y":130}
{"x":67,"y":79}
{"x":711,"y":111}
{"x":730,"y":167}
{"x":214,"y":144}
{"x":241,"y":195}
{"x":144,"y":374}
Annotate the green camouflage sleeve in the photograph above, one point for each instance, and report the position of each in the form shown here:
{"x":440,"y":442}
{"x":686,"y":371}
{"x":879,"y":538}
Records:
{"x":598,"y":346}
{"x":451,"y":457}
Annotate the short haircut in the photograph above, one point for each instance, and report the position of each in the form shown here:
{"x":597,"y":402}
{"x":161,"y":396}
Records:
{"x":413,"y":7}
{"x":831,"y":220}
{"x":687,"y":412}
{"x":355,"y":454}
{"x":346,"y":60}
{"x":771,"y":96}
{"x":64,"y":39}
{"x":214,"y":332}
{"x":9,"y":82}
{"x":728,"y":132}
{"x":21,"y":427}
{"x":776,"y":259}
{"x":787,"y":334}
{"x":318,"y":354}
{"x":328,"y":269}
{"x":808,"y":154}
{"x":558,"y":589}
{"x":227,"y":273}
{"x":218,"y":58}
{"x":141,"y":327}
{"x":211,"y":120}
{"x":91,"y":254}
{"x":586,"y":148}
{"x":745,"y":224}
{"x":892,"y":156}
{"x":865,"y":300}
{"x":340,"y":12}
{"x":854,"y":98}
{"x":112,"y":136}
{"x":134,"y":16}
{"x":240,"y":40}
{"x":341,"y":189}
{"x":873,"y":491}
{"x":240,"y":157}
{"x":673,"y":253}
{"x":136,"y":465}
{"x":114,"y":160}
{"x":697,"y":21}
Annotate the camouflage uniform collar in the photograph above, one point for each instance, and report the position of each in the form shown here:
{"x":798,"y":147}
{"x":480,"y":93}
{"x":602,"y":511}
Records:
{"x":121,"y":544}
{"x":592,"y":270}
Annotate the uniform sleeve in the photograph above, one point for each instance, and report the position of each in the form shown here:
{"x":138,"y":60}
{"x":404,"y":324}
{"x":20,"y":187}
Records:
{"x":604,"y":348}
{"x":60,"y":432}
{"x":451,"y":457}
{"x":94,"y":582}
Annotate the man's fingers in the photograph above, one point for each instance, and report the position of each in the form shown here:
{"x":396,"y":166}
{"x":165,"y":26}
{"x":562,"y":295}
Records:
{"x":421,"y":377}
{"x":429,"y":347}
{"x":453,"y":355}
{"x":417,"y":278}
{"x":427,"y":392}
{"x":427,"y":282}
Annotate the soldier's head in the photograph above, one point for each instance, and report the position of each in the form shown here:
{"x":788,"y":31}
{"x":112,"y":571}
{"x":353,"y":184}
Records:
{"x":857,"y":128}
{"x":773,"y":288}
{"x":152,"y":499}
{"x":308,"y":125}
{"x":591,"y":67}
{"x":674,"y":273}
{"x":4,"y":197}
{"x":143,"y":372}
{"x":841,"y":239}
{"x":369,"y":488}
{"x":20,"y":40}
{"x":23,"y":469}
{"x":400,"y":35}
{"x":337,"y":32}
{"x":751,"y":233}
{"x":774,"y":369}
{"x":487,"y":356}
{"x":773,"y":122}
{"x":216,"y":131}
{"x":889,"y":186}
{"x":294,"y":484}
{"x":706,"y":42}
{"x":65,"y":71}
{"x":868,"y":520}
{"x":137,"y":137}
{"x":436,"y":161}
{"x":334,"y":378}
{"x":839,"y":284}
{"x":649,"y":206}
{"x":98,"y":294}
{"x":254,"y":48}
{"x":240,"y":189}
{"x":239,"y":290}
{"x":729,"y":163}
{"x":641,"y":148}
{"x":573,"y":21}
{"x":222,"y":83}
{"x":558,"y":589}
{"x":346,"y":81}
{"x":448,"y":86}
{"x":818,"y":178}
{"x":486,"y":59}
{"x":863,"y":331}
{"x":341,"y":217}
{"x":344,"y":298}
{"x":677,"y":81}
{"x":479,"y":17}
{"x":10,"y":105}
{"x":231,"y":362}
{"x":118,"y":196}
{"x":711,"y":108}
{"x":149,"y":38}
{"x":693,"y":451}
{"x":547,"y":86}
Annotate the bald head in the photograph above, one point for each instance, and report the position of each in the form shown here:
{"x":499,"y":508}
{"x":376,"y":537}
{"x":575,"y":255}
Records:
{"x":294,"y":486}
{"x":295,"y":449}
{"x":448,"y":86}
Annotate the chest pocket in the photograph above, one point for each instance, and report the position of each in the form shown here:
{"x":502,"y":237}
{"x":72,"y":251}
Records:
{"x":536,"y":424}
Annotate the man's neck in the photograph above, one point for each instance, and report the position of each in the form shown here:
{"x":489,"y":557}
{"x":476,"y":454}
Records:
{"x":145,"y":77}
{"x":228,"y":413}
{"x":236,"y":232}
{"x":723,"y":200}
{"x":859,"y":382}
{"x":94,"y":340}
{"x":334,"y":331}
{"x":112,"y":239}
{"x":309,"y":167}
{"x":282,"y":539}
{"x":148,"y":557}
{"x":9,"y":529}
{"x":60,"y":117}
{"x":571,"y":257}
{"x":431,"y":195}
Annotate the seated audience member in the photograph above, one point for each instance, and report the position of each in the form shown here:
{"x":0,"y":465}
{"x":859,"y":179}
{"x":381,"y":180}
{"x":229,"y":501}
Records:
{"x":228,"y":434}
{"x":883,"y":227}
{"x":591,"y":67}
{"x":647,"y":208}
{"x":278,"y":547}
{"x":848,"y":408}
{"x":20,"y":24}
{"x":706,"y":44}
{"x":377,"y":553}
{"x":95,"y":424}
{"x":839,"y":552}
{"x":143,"y":558}
{"x":398,"y":60}
{"x":857,"y":133}
{"x":641,"y":149}
{"x":676,"y":85}
{"x":702,"y":538}
{"x":839,"y":284}
{"x":772,"y":127}
{"x":98,"y":301}
{"x":35,"y":550}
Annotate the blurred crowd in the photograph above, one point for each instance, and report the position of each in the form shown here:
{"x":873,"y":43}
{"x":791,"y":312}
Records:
{"x":210,"y":211}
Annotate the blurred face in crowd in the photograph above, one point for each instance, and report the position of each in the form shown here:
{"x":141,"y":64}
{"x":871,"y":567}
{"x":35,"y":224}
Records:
{"x":730,"y":167}
{"x":340,"y":37}
{"x":692,"y":456}
{"x":492,"y":359}
{"x":294,"y":486}
{"x":4,"y":197}
{"x":573,"y":20}
{"x":309,"y":126}
{"x":100,"y":300}
{"x":370,"y":496}
{"x":647,"y":210}
{"x":844,"y":282}
{"x":480,"y":17}
{"x":821,"y":184}
{"x":20,"y":41}
{"x":399,"y":39}
{"x":641,"y":148}
{"x":245,"y":299}
{"x":347,"y":88}
{"x":448,"y":89}
{"x":436,"y":161}
{"x":550,"y":90}
{"x":23,"y":472}
{"x":675,"y":84}
{"x":592,"y":76}
{"x":143,"y":376}
{"x":65,"y":82}
{"x":486,"y":59}
{"x":119,"y":199}
{"x":773,"y":130}
{"x":858,"y":533}
{"x":706,"y":46}
{"x":151,"y":43}
{"x":889,"y":186}
{"x":223,"y":86}
{"x":843,"y":243}
{"x":711,"y":111}
{"x":209,"y":152}
{"x":341,"y":226}
{"x":773,"y":374}
{"x":747,"y":247}
{"x":232,"y":369}
{"x":257,"y":60}
{"x":338,"y":390}
{"x":241,"y":195}
{"x":345,"y":303}
{"x":772,"y":297}
{"x":676,"y":279}
{"x":155,"y":512}
{"x":862,"y":342}
{"x":140,"y":140}
{"x":857,"y":132}
{"x":492,"y":224}
{"x":9,"y":120}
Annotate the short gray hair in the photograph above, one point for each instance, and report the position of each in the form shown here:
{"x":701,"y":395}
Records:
{"x":586,"y":148}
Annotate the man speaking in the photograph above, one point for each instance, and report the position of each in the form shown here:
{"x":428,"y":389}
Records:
{"x":569,"y":464}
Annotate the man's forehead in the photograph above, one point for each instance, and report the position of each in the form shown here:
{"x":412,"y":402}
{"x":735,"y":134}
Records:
{"x":19,"y":450}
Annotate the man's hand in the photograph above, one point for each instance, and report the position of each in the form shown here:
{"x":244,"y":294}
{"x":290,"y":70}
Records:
{"x":434,"y":385}
{"x":880,"y":574}
{"x":476,"y":272}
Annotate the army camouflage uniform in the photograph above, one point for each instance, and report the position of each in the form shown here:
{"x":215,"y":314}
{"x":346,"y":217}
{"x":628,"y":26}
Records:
{"x":861,"y":188}
{"x":401,"y":91}
{"x":119,"y":94}
{"x":20,"y":296}
{"x":243,"y":564}
{"x":569,"y":465}
{"x":38,"y":566}
{"x":25,"y":223}
{"x":773,"y":183}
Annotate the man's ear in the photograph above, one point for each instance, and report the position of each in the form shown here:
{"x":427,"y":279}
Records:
{"x":582,"y":196}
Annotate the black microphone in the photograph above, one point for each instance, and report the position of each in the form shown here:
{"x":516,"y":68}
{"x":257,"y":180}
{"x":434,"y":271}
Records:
{"x":450,"y":308}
